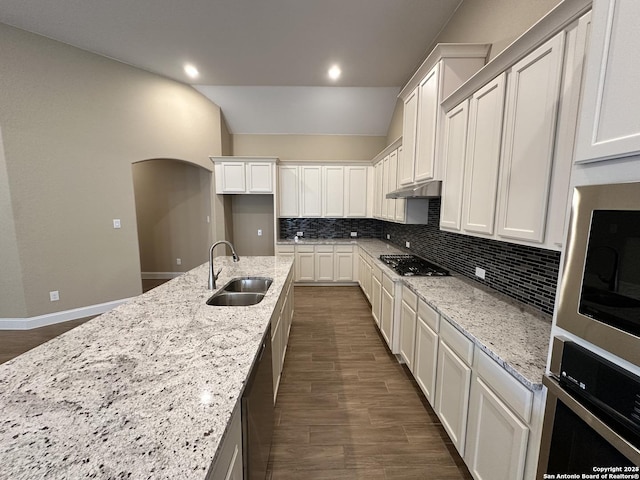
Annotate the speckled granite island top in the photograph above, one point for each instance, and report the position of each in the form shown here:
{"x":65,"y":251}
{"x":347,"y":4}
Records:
{"x":143,"y":391}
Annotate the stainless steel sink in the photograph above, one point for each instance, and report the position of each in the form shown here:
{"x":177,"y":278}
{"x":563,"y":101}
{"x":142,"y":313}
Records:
{"x":235,"y":299}
{"x":248,"y":284}
{"x":241,"y":292}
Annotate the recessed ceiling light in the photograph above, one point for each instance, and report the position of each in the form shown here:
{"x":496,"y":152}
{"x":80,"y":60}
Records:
{"x":191,"y":71}
{"x":334,"y":72}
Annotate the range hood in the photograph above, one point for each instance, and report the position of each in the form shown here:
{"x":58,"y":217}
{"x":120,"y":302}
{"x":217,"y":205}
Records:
{"x":429,"y":189}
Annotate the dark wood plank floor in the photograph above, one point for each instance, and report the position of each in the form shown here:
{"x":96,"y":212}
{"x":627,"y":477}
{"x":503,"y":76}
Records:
{"x":346,"y":409}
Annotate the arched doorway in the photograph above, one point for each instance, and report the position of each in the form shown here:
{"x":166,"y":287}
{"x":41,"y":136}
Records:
{"x":173,"y":214}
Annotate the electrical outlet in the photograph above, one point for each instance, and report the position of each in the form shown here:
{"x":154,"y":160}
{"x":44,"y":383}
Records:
{"x":407,"y":244}
{"x":178,"y":261}
{"x":208,"y":219}
{"x":116,"y":223}
{"x":259,"y":232}
{"x":54,"y":296}
{"x":354,"y":234}
{"x":388,"y":236}
{"x":300,"y":234}
{"x":480,"y":272}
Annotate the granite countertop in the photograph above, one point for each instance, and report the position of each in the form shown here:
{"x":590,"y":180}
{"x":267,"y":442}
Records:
{"x":514,"y":335}
{"x":143,"y":391}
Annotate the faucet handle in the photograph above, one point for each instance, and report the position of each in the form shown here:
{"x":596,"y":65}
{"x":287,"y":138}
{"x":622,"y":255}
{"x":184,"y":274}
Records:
{"x":217,"y":274}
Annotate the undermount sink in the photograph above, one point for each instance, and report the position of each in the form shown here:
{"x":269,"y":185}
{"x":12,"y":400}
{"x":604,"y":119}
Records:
{"x":248,"y":284}
{"x":235,"y":299}
{"x":241,"y":292}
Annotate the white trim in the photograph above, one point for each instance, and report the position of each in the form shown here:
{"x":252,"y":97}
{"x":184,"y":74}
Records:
{"x":58,"y":317}
{"x":160,"y":275}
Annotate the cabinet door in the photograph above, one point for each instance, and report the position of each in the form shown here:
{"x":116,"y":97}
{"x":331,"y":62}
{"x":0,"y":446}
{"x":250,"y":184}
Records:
{"x":426,"y":359}
{"x":483,"y":157}
{"x":384,"y":214}
{"x":377,"y":190}
{"x":228,"y":465}
{"x":452,"y":394}
{"x":392,"y":184}
{"x":401,"y":203}
{"x":276,"y":350}
{"x":609,"y":125}
{"x":343,"y":268}
{"x":305,"y":267}
{"x":355,"y":191}
{"x":310,"y":191}
{"x":233,"y":177}
{"x":497,"y":439}
{"x":376,"y":299}
{"x":333,"y":191}
{"x":289,"y":190}
{"x":529,"y":132}
{"x":428,"y":106}
{"x":259,"y":177}
{"x":324,"y":266}
{"x":409,"y":125}
{"x":455,"y":147}
{"x":407,"y":334}
{"x":386,"y":315}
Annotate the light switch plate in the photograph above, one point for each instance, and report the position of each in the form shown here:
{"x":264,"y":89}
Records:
{"x":116,"y":223}
{"x":259,"y":232}
{"x":388,"y":236}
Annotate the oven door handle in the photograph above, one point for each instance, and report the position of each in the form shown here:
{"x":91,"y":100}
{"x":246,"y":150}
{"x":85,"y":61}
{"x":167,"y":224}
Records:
{"x":621,"y":444}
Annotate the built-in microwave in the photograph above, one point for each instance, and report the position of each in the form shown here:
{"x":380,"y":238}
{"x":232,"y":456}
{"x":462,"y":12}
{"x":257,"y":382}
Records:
{"x":599,"y":296}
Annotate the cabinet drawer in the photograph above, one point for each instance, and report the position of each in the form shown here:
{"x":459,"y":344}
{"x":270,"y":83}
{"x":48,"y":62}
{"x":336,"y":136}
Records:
{"x":387,"y":283}
{"x":429,"y":315}
{"x":304,"y":249}
{"x":324,"y":248}
{"x":460,"y":344}
{"x":518,"y":397}
{"x":285,"y":249}
{"x":344,"y":248}
{"x":410,"y":298}
{"x":376,"y":272}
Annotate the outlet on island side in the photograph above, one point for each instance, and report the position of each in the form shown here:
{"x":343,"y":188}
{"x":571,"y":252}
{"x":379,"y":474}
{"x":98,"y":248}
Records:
{"x":480,"y":272}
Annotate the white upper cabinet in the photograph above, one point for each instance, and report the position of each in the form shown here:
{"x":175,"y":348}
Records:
{"x":310,"y":191}
{"x":444,"y":70}
{"x":288,"y":191}
{"x":401,"y":203}
{"x":333,"y":191}
{"x":609,"y":124}
{"x":377,"y":190}
{"x":428,"y":107}
{"x":483,"y":157}
{"x":384,"y":213}
{"x":355,"y":191}
{"x":392,"y":184}
{"x":409,"y":126}
{"x":454,"y":150}
{"x":529,"y":133}
{"x":244,"y":174}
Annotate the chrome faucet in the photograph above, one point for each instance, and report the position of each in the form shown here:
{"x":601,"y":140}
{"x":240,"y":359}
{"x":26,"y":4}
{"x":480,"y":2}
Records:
{"x":213,"y":277}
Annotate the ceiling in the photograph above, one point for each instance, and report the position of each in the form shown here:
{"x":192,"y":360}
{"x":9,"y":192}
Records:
{"x":258,"y":43}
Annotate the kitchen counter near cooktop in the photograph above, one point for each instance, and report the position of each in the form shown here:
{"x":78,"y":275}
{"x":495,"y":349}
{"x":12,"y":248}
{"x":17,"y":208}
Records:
{"x":143,"y":391}
{"x":514,"y":335}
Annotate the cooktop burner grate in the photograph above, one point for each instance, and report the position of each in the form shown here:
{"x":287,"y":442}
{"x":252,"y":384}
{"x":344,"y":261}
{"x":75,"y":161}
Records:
{"x":411,"y":265}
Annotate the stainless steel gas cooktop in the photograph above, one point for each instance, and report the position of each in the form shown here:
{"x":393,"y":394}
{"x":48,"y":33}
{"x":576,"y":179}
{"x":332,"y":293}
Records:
{"x":409,"y":265}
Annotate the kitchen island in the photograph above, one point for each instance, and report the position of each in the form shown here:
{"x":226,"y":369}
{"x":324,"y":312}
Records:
{"x":143,"y":391}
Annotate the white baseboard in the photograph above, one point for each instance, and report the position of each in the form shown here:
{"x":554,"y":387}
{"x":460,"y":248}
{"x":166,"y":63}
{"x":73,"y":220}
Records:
{"x":58,"y":317}
{"x":160,"y":275}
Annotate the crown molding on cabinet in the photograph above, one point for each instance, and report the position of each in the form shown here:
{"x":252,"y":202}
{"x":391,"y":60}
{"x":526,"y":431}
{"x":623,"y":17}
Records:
{"x":324,"y":162}
{"x":233,"y":158}
{"x":440,"y":51}
{"x":393,"y":146}
{"x":556,"y":20}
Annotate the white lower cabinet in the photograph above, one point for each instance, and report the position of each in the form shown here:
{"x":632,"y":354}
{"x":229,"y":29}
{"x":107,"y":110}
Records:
{"x":408,"y":316}
{"x":387,"y":310}
{"x":497,"y":438}
{"x":305,"y":263}
{"x":228,"y":465}
{"x":426,"y":353}
{"x":376,"y":294}
{"x":324,"y":263}
{"x":280,"y":325}
{"x":343,"y":259}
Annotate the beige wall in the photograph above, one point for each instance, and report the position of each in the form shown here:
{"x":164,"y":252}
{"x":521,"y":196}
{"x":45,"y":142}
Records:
{"x":173,"y":200}
{"x":309,"y":147}
{"x":498,"y":22}
{"x":72,"y":124}
{"x":250,"y":213}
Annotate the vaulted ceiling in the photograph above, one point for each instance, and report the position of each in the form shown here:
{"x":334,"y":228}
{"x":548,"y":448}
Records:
{"x":264,"y":62}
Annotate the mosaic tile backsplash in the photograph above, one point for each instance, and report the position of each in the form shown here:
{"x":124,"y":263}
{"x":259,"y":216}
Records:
{"x":525,"y":273}
{"x":330,"y":227}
